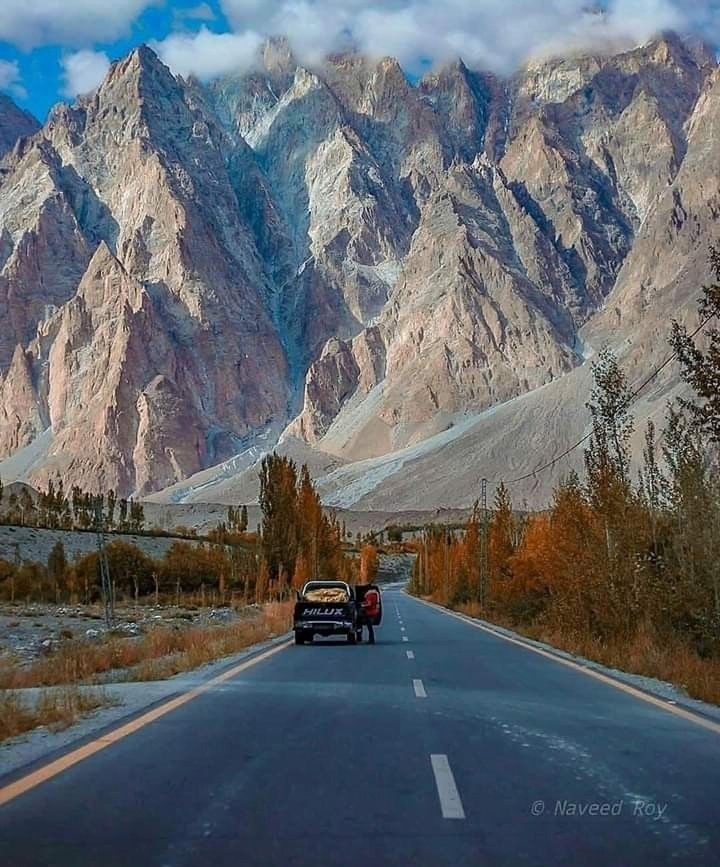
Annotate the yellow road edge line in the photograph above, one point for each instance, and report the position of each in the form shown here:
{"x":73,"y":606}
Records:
{"x":701,"y":721}
{"x":42,"y":775}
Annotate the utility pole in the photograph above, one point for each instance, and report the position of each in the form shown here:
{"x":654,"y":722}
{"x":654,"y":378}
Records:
{"x":483,"y":544}
{"x":108,"y":595}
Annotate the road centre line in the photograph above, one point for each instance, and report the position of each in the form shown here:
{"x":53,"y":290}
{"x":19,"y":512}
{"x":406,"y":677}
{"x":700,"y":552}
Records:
{"x":419,"y":689}
{"x":410,"y":654}
{"x":450,"y":802}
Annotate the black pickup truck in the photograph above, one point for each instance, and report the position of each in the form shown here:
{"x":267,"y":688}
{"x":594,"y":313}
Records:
{"x":327,"y":608}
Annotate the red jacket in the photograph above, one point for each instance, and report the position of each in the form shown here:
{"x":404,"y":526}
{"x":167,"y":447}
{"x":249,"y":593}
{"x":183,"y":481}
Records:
{"x":371,"y":603}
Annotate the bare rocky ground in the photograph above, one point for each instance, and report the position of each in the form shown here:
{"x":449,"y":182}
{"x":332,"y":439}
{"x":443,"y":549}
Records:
{"x":35,"y":544}
{"x":32,"y":630}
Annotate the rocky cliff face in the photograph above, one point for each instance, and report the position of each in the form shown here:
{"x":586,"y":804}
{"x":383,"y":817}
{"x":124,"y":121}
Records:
{"x":14,"y":124}
{"x":183,"y":269}
{"x":132,"y":262}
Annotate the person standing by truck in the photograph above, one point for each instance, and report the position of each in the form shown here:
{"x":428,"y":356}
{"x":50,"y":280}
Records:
{"x":370,"y":610}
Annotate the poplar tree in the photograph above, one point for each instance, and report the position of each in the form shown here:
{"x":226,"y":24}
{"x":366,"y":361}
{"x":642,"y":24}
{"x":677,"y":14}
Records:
{"x":701,"y":367}
{"x":278,"y":505}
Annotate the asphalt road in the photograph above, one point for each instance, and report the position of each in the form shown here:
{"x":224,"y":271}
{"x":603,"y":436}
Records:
{"x":452,"y":747}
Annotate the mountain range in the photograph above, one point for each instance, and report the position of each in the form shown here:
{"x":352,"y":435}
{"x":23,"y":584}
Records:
{"x":400,"y":282}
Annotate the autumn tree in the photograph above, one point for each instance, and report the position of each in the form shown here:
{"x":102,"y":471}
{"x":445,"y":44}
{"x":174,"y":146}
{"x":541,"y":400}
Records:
{"x":471,"y":554}
{"x":302,"y":573}
{"x":369,"y":564}
{"x":528,"y":591}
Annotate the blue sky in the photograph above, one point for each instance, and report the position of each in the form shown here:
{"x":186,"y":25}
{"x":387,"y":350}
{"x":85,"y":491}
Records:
{"x":57,"y":49}
{"x":40,"y":84}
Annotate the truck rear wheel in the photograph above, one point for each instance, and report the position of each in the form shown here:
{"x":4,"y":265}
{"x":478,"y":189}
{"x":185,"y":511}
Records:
{"x":352,"y":638}
{"x":299,"y":637}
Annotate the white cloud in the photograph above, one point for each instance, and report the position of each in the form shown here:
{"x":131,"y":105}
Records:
{"x":201,"y":12}
{"x":83,"y":71}
{"x":10,"y":78}
{"x":498,"y":34}
{"x":208,"y":55}
{"x":30,"y":23}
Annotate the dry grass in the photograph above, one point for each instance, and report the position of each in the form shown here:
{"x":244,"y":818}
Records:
{"x":159,"y":654}
{"x":647,"y":654}
{"x":57,"y":709}
{"x":666,"y":659}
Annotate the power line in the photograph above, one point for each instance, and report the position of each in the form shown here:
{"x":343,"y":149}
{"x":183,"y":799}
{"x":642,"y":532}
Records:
{"x":634,"y":394}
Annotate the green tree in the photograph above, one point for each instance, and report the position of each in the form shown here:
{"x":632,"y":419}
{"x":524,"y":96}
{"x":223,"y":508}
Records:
{"x":695,"y":522}
{"x":111,"y":502}
{"x":137,"y":517}
{"x":501,"y":536}
{"x":278,"y":505}
{"x":57,"y":567}
{"x":27,"y":507}
{"x":131,"y":569}
{"x":394,"y":534}
{"x":701,"y":368}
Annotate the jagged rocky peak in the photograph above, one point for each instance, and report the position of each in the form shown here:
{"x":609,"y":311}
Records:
{"x":138,"y":99}
{"x":366,"y":85}
{"x":337,"y":249}
{"x":278,"y":58}
{"x":21,"y":417}
{"x":140,"y":82}
{"x":464,"y":100}
{"x":244,"y":99}
{"x":14,"y":124}
{"x":667,"y":66}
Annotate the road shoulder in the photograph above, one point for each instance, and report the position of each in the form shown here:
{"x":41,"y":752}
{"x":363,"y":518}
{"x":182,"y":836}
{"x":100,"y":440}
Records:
{"x":20,"y":754}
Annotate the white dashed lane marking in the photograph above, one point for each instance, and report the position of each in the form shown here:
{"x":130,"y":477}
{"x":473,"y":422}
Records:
{"x":450,"y":802}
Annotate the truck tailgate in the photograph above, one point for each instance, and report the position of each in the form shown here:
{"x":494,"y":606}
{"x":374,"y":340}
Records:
{"x":323,"y":612}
